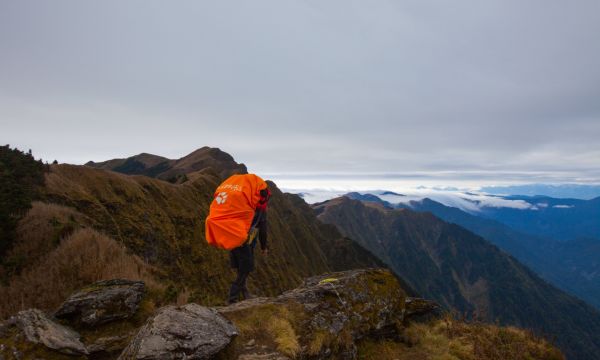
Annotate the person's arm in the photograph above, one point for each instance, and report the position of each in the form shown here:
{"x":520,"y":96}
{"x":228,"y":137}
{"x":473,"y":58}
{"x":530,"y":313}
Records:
{"x":262,"y":232}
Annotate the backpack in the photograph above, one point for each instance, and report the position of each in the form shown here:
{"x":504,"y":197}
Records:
{"x":232,"y":211}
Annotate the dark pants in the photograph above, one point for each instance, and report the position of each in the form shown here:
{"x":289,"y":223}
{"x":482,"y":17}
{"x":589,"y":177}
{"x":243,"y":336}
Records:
{"x":242,"y":259}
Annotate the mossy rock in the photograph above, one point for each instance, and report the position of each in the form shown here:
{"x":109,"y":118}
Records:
{"x":103,"y":302}
{"x":325,"y":316}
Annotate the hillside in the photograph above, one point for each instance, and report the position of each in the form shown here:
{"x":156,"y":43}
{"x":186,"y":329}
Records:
{"x":161,"y":226}
{"x":463,"y":271}
{"x":21,"y":176}
{"x":572,"y":266}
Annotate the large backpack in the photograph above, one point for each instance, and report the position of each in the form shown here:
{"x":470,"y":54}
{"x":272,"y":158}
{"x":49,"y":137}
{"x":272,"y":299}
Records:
{"x":232,"y":210}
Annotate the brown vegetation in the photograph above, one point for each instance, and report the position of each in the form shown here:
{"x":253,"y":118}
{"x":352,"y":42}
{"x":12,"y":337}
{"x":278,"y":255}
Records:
{"x":163,"y":224}
{"x":449,"y":339}
{"x":270,"y":323}
{"x":38,"y":233}
{"x":84,"y":257}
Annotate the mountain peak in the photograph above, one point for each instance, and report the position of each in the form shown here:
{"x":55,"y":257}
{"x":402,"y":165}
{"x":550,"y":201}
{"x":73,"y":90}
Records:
{"x":175,"y":170}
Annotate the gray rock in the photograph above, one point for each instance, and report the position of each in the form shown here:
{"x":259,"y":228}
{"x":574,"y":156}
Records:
{"x":186,"y":332}
{"x":39,"y":329}
{"x":103,"y":302}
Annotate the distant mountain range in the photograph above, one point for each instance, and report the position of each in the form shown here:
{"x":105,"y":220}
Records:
{"x":464,"y":271}
{"x":573,"y":266}
{"x":569,"y":260}
{"x":561,"y":219}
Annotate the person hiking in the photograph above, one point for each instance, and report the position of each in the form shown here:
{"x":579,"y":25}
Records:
{"x":237,"y":217}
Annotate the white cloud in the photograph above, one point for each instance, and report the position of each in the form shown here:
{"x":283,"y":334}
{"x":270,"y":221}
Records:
{"x":563,"y":206}
{"x":467,"y":201}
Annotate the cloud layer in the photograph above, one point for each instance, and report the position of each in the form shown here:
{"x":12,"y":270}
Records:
{"x":471,"y":88}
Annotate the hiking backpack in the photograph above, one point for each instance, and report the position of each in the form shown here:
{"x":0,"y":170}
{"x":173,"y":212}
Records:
{"x":232,"y":210}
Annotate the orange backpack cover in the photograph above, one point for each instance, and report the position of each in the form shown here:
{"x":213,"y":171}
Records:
{"x":232,"y":210}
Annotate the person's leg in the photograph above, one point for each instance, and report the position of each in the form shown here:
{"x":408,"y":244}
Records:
{"x":234,"y":290}
{"x":243,"y":260}
{"x":245,"y":293}
{"x":237,"y":286}
{"x":249,"y":267}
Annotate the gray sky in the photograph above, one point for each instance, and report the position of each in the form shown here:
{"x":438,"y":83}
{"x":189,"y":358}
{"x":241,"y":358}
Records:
{"x":477,"y":89}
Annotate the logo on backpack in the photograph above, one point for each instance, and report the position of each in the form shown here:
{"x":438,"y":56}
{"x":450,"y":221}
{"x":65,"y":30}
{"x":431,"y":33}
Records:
{"x":221,"y":198}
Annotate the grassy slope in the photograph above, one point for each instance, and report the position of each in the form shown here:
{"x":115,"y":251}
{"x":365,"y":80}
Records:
{"x":163,"y":224}
{"x":448,"y":339}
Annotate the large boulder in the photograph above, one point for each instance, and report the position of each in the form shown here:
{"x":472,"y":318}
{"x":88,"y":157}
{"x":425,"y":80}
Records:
{"x":39,"y":329}
{"x":103,"y":302}
{"x":186,"y":332}
{"x":325,"y":316}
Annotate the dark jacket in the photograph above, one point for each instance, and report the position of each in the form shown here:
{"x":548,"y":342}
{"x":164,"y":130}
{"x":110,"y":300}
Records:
{"x":242,"y":258}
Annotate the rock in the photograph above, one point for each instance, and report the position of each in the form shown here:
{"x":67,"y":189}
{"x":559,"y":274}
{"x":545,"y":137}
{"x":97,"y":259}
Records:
{"x":103,"y":302}
{"x":39,"y":329}
{"x":186,"y":332}
{"x":421,"y":310}
{"x":327,"y":314}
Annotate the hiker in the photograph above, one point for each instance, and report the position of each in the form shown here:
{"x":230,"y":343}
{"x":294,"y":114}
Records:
{"x":238,"y":216}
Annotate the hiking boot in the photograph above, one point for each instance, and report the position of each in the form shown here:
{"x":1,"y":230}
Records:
{"x":231,"y":301}
{"x":247,"y":295}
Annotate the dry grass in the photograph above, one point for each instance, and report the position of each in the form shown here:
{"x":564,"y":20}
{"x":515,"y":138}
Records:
{"x":320,"y":339}
{"x":183,"y":297}
{"x":323,"y":339}
{"x":84,"y":257}
{"x":284,"y":335}
{"x":38,"y":233}
{"x":449,"y":339}
{"x":270,"y":323}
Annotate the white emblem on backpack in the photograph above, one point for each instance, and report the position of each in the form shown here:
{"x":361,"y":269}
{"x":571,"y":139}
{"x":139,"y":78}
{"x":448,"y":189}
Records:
{"x":221,"y":198}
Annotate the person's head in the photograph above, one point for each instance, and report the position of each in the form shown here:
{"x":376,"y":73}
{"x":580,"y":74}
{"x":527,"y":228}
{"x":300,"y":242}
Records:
{"x":265,"y":195}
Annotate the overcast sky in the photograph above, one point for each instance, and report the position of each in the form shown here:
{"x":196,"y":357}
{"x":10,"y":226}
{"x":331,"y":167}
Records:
{"x":475,"y":89}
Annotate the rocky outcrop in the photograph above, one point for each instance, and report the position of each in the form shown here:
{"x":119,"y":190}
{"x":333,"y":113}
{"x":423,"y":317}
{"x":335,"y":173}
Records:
{"x":334,"y":316}
{"x":103,"y":302}
{"x":327,"y":315}
{"x":37,"y":328}
{"x":324,"y":317}
{"x":421,"y":310}
{"x":186,"y":332}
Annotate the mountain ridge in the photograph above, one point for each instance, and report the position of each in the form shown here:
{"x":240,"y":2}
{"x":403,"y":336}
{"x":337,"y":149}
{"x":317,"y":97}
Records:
{"x":463,"y":271}
{"x":174,"y":170}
